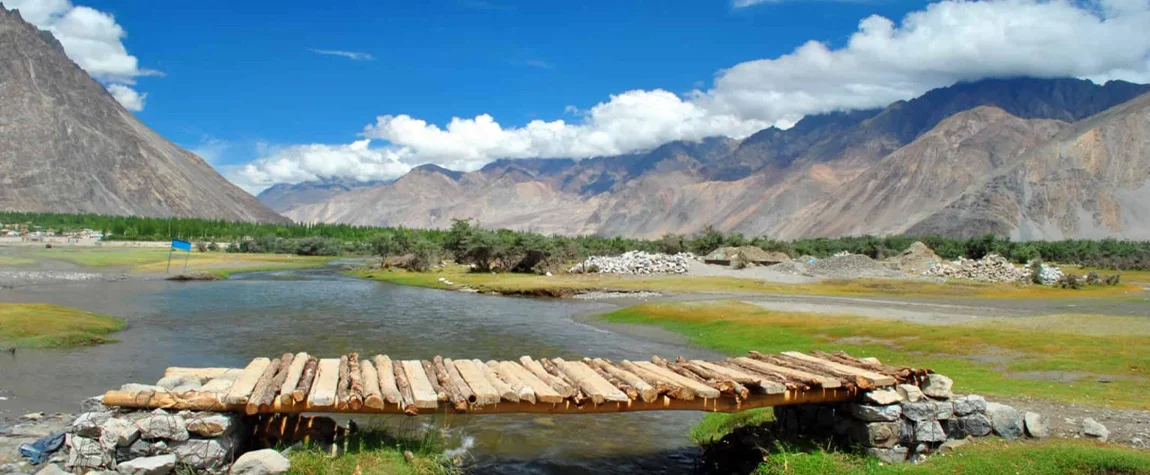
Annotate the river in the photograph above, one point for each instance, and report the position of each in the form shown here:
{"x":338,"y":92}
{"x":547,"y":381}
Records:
{"x":227,"y":323}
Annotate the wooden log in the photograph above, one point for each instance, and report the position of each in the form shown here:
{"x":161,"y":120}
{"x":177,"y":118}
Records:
{"x":501,"y":387}
{"x":523,"y":391}
{"x":720,"y":381}
{"x":372,"y":398}
{"x":423,"y":394}
{"x":241,"y":390}
{"x":577,"y":395}
{"x":277,"y":382}
{"x":201,"y":402}
{"x":647,"y":392}
{"x":341,"y":390}
{"x":700,"y":389}
{"x":862,"y":379}
{"x":433,"y":377}
{"x":306,"y":380}
{"x":627,"y":389}
{"x":788,"y":383}
{"x":899,"y":374}
{"x":295,"y":371}
{"x":355,"y":376}
{"x":485,"y":393}
{"x":406,"y":395}
{"x":594,"y":386}
{"x":205,"y":374}
{"x":723,"y":385}
{"x":544,"y":393}
{"x":458,"y":399}
{"x":823,"y":381}
{"x":323,"y":390}
{"x":662,"y":384}
{"x":742,"y":377}
{"x":387,"y":386}
{"x":457,"y":383}
{"x":536,"y":369}
{"x":262,"y":385}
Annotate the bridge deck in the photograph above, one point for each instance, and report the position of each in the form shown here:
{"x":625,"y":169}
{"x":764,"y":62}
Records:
{"x":299,"y":382}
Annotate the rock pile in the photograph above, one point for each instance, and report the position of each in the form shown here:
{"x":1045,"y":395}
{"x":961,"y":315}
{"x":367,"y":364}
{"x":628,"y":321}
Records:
{"x":852,"y":266}
{"x":991,"y":268}
{"x":635,"y":263}
{"x":916,"y":259}
{"x":157,"y":442}
{"x":1048,"y":274}
{"x":910,"y":422}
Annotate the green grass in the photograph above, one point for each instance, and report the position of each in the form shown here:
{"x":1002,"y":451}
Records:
{"x":24,"y":325}
{"x":533,"y":284}
{"x":986,"y":358}
{"x":156,"y":260}
{"x":986,"y":457}
{"x":7,"y":260}
{"x":375,"y":453}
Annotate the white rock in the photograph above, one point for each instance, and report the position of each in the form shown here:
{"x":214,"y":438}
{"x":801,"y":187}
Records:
{"x":882,"y":397}
{"x":177,"y":380}
{"x":937,"y":386}
{"x":158,"y":465}
{"x":1035,"y":425}
{"x":211,"y":424}
{"x":118,"y":433}
{"x":261,"y":462}
{"x":88,"y":424}
{"x":163,"y":426}
{"x":52,"y":469}
{"x":1091,"y":428}
{"x":910,"y":392}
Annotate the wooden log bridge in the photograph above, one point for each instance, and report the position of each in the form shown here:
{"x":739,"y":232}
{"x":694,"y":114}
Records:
{"x":296,"y":383}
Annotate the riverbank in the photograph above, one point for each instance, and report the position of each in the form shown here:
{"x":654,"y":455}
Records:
{"x":31,"y":325}
{"x":455,"y":277}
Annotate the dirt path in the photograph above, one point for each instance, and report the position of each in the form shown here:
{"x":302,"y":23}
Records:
{"x":1126,"y":426}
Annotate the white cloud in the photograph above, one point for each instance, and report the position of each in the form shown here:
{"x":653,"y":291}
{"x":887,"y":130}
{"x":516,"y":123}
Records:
{"x":93,"y":40}
{"x":298,"y":163}
{"x":352,"y":55}
{"x":883,"y":61}
{"x":128,"y":97}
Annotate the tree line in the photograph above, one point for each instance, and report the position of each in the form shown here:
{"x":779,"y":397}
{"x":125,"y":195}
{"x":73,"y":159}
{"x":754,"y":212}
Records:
{"x":468,"y":243}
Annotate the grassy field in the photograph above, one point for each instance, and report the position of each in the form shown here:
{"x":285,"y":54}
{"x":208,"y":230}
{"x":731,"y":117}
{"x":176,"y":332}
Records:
{"x":375,"y":453}
{"x":532,"y":284}
{"x":156,"y":260}
{"x":1030,"y":356}
{"x":34,"y":325}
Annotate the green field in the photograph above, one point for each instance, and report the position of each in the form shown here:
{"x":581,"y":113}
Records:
{"x":376,"y":453}
{"x":156,"y":260}
{"x":35,"y":325}
{"x":998,"y":357}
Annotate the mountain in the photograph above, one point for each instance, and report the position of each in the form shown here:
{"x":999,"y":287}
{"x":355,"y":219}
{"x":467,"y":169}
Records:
{"x":874,"y":171}
{"x":67,"y":146}
{"x":1092,"y":180}
{"x":285,"y":196}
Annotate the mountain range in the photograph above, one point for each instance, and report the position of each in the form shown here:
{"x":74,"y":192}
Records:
{"x":1023,"y":157}
{"x":66,"y":145}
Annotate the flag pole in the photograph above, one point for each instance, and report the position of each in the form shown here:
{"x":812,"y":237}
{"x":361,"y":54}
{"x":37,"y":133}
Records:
{"x":169,"y":271}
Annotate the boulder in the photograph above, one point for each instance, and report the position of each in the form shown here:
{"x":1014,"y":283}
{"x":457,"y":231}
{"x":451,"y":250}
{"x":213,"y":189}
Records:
{"x":93,"y":404}
{"x":161,"y":425}
{"x":1004,"y":420}
{"x":952,"y":445}
{"x":205,"y":454}
{"x":977,"y":425}
{"x":88,"y":424}
{"x":920,"y":411}
{"x":943,"y":410}
{"x":876,"y":413}
{"x":261,"y":462}
{"x":1091,"y":428}
{"x":52,"y":469}
{"x":896,"y":454}
{"x":1035,"y":425}
{"x":937,"y":386}
{"x":969,"y":404}
{"x":910,"y":392}
{"x":176,"y":380}
{"x":928,"y":431}
{"x":158,"y":465}
{"x":118,"y":433}
{"x":85,"y":453}
{"x":209,"y":424}
{"x":876,"y":434}
{"x":882,"y":397}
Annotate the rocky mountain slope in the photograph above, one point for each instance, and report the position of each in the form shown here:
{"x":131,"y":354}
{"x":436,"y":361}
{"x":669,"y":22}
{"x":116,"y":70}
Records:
{"x":874,"y":171}
{"x":67,"y":146}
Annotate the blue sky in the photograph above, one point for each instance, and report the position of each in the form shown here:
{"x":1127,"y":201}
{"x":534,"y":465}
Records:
{"x":261,"y":90}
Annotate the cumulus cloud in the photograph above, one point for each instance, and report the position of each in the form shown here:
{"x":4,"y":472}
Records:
{"x":352,"y":55}
{"x":299,"y":163}
{"x":128,"y":97}
{"x":883,"y":61}
{"x":93,"y":40}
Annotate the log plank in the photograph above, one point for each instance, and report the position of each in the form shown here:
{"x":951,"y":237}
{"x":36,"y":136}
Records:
{"x":241,"y":390}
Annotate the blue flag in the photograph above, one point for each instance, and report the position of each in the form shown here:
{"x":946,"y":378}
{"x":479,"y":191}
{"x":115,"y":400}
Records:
{"x":181,"y":245}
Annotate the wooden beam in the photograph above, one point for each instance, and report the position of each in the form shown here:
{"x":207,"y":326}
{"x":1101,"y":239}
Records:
{"x":241,"y":390}
{"x":421,"y":389}
{"x":323,"y":390}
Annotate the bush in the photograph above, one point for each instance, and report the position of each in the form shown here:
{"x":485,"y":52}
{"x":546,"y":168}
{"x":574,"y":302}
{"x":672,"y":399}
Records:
{"x":213,"y":247}
{"x":202,"y":246}
{"x":1035,"y":271}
